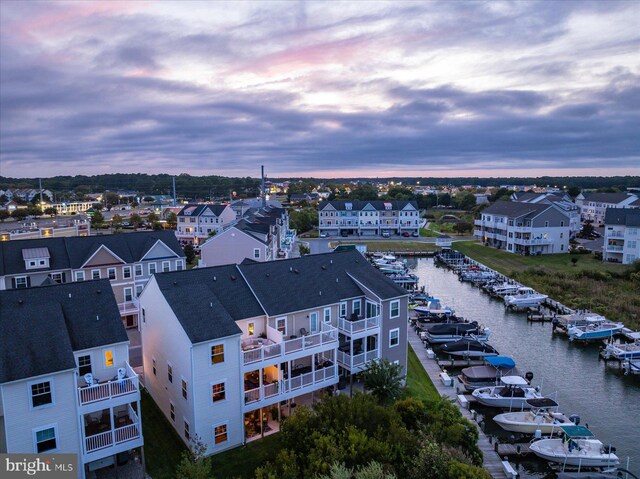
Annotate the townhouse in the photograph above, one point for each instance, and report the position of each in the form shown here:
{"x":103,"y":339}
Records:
{"x":27,"y":194}
{"x":65,"y":381}
{"x":561,"y":200}
{"x":593,"y":206}
{"x":127,"y":260}
{"x":366,"y":218}
{"x":226,"y":354}
{"x":524,"y":228}
{"x":196,"y":222}
{"x":621,"y":235}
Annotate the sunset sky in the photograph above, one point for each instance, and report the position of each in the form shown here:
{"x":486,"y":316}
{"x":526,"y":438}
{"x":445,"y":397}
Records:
{"x":320,"y":88}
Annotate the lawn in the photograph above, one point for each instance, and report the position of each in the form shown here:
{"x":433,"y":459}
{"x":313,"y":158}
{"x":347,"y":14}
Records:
{"x":384,"y":246}
{"x":419,"y":384}
{"x":591,"y":284}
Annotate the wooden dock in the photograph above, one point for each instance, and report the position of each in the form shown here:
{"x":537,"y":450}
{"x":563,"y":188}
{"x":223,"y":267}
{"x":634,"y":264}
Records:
{"x":506,"y":449}
{"x":491,"y":459}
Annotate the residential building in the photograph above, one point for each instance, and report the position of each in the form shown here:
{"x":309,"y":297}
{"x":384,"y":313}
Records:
{"x":28,"y":194}
{"x":561,"y":200}
{"x":246,"y":206}
{"x":72,"y":207}
{"x":76,"y":228}
{"x":66,"y":385}
{"x":196,"y":222}
{"x":524,"y":228}
{"x":593,"y":206}
{"x":229,"y":350}
{"x":621,"y":235}
{"x":127,"y":260}
{"x":365,"y":218}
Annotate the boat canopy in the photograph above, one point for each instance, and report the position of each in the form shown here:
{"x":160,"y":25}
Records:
{"x":501,"y":362}
{"x":576,"y":431}
{"x":514,"y":381}
{"x":542,"y":403}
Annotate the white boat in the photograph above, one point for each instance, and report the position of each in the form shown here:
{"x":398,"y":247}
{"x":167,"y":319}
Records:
{"x":594,"y":332}
{"x":385,"y":259}
{"x":578,"y":448}
{"x":631,"y":367}
{"x":433,"y":307}
{"x":525,"y":298}
{"x":622,"y":351}
{"x":475,"y":377}
{"x":513,"y":393}
{"x":504,"y":289}
{"x":450,"y":332}
{"x":539,"y":417}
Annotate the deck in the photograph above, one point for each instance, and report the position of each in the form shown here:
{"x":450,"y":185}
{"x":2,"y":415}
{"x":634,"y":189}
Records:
{"x":492,"y":461}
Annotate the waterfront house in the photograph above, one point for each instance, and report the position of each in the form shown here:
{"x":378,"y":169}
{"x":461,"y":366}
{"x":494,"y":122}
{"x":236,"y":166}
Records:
{"x":126,"y":260}
{"x":229,"y":350}
{"x":621,"y":235}
{"x":524,"y":228}
{"x":196,"y":222}
{"x":65,"y":381}
{"x":561,"y":200}
{"x":593,"y":206}
{"x":366,"y":218}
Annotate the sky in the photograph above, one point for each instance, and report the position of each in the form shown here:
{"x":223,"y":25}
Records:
{"x":326,"y":89}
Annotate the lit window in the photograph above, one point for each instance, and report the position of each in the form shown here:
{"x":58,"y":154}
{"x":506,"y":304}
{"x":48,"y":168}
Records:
{"x":218,"y":392}
{"x":220,"y":434}
{"x":108,"y":358}
{"x":217,"y":354}
{"x":251,"y":329}
{"x":46,"y":440}
{"x":41,"y":394}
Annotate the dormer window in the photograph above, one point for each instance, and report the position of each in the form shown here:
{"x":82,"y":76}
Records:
{"x":35,"y":258}
{"x":348,"y":206}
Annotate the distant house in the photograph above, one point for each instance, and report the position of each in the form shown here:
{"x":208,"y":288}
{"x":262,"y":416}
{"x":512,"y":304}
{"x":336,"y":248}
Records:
{"x":621,"y":235}
{"x":242,"y":207}
{"x":196,"y":222}
{"x":561,"y":200}
{"x":367,"y":218}
{"x":299,"y":197}
{"x":593,"y":206}
{"x":524,"y":228}
{"x":481,"y":199}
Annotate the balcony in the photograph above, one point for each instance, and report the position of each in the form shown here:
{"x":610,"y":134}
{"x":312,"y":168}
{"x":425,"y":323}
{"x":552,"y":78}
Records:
{"x":615,"y":234}
{"x":257,"y":350}
{"x":110,"y":435}
{"x":129,"y":307}
{"x":109,"y":390}
{"x":350,"y":327}
{"x":357,"y":362}
{"x":533,"y":241}
{"x":613,"y":247}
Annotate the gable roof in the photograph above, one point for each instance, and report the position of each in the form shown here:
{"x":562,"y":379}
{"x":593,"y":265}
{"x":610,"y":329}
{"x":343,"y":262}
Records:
{"x":379,"y":205}
{"x":40,"y":328}
{"x":613,"y":198}
{"x":622,"y":216}
{"x":515,"y":209}
{"x":197,"y":209}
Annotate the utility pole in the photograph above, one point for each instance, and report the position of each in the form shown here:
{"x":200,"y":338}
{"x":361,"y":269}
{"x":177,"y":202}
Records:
{"x":40,"y":183}
{"x":264,"y":198}
{"x":174,"y":191}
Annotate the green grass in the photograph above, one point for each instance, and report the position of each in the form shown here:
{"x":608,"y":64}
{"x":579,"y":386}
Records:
{"x":242,"y":462}
{"x":384,"y":246}
{"x":604,"y":288}
{"x":427,"y":233}
{"x":419,"y":384}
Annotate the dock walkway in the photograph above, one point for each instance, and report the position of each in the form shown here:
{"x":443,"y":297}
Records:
{"x":491,"y":460}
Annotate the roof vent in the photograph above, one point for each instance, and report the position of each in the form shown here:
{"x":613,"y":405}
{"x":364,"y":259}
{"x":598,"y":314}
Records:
{"x":267,"y":275}
{"x":320,"y":292}
{"x":69,"y":294}
{"x":337,"y":280}
{"x":20,"y":301}
{"x":330,"y":261}
{"x":175,"y":283}
{"x":324,"y":267}
{"x":233,"y":278}
{"x":98,"y":291}
{"x":215,"y":279}
{"x":97,"y":317}
{"x":296,"y":271}
{"x":291,"y":268}
{"x":211,"y":304}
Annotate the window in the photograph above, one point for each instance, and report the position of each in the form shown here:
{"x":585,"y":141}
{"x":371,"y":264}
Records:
{"x":170,"y":372}
{"x":251,"y":329}
{"x":313,"y":322}
{"x":172,"y":412}
{"x":46,"y":440}
{"x":220,"y":434}
{"x":128,"y":294}
{"x":126,"y":272}
{"x":343,"y":310}
{"x":166,"y":266}
{"x":138,"y":270}
{"x":356,"y":306}
{"x":41,"y":394}
{"x":21,"y":282}
{"x":153,"y":362}
{"x":217,"y":354}
{"x":179,"y":265}
{"x":562,"y":223}
{"x":138,"y":290}
{"x":218,"y":392}
{"x":184,"y":389}
{"x":56,"y":277}
{"x":546,"y":224}
{"x":95,"y":274}
{"x":327,"y":315}
{"x":108,"y":358}
{"x":281,"y":325}
{"x":187,"y":435}
{"x":79,"y":275}
{"x":394,"y":337}
{"x":256,"y":253}
{"x":111,"y":273}
{"x":84,"y":365}
{"x":395,"y":309}
{"x":152,"y":268}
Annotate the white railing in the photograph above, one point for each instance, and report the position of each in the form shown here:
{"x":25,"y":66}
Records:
{"x":270,"y":389}
{"x":109,"y":389}
{"x":129,"y":307}
{"x":253,"y":395}
{"x":98,"y":441}
{"x":327,"y":334}
{"x":287,"y":385}
{"x":615,"y":234}
{"x":126,"y":433}
{"x":114,"y":436}
{"x":357,"y":359}
{"x":612,"y":247}
{"x":360,"y":325}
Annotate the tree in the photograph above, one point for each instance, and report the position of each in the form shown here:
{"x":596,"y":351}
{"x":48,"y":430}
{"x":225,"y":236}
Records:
{"x":51,"y":211}
{"x":190,"y":253}
{"x":574,"y":261}
{"x":152,"y":217}
{"x":135,"y":220}
{"x":212,"y":233}
{"x":19,"y":214}
{"x":194,"y":464}
{"x":587,"y":230}
{"x":111,"y":199}
{"x":4,"y":214}
{"x":3,"y":199}
{"x":444,"y":199}
{"x":116,"y":221}
{"x":97,"y":219}
{"x":364,"y":192}
{"x":35,"y":200}
{"x":373,"y":470}
{"x":97,"y":206}
{"x":384,"y":379}
{"x":573,"y":190}
{"x":303,"y":220}
{"x":304,"y":249}
{"x":464,"y":201}
{"x":34,"y":211}
{"x":462,"y":226}
{"x":172,"y":219}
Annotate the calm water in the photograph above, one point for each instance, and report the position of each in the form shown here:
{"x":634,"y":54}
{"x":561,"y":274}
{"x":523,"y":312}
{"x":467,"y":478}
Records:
{"x":601,"y":395}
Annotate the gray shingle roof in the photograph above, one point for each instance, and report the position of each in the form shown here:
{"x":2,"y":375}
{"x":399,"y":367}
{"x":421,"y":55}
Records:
{"x":358,"y":205}
{"x":613,"y":198}
{"x":622,"y":216}
{"x":40,"y":328}
{"x":198,"y":208}
{"x":515,"y":209}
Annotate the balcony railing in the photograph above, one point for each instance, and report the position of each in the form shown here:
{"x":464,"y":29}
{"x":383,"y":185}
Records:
{"x":288,"y":385}
{"x":129,"y":307}
{"x":109,"y":389}
{"x":352,"y":327}
{"x":615,"y":234}
{"x":327,"y":334}
{"x":612,"y":247}
{"x":114,"y":436}
{"x":357,"y":360}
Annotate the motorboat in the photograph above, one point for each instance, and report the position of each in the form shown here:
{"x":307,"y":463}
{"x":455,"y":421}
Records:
{"x":422,"y":297}
{"x":622,"y":351}
{"x":512,"y":393}
{"x":631,"y":367}
{"x":541,"y":417}
{"x":391,"y":268}
{"x":467,"y":348}
{"x":525,"y":298}
{"x":503,"y":289}
{"x":448,"y":332}
{"x":594,"y":332}
{"x":577,"y":448}
{"x":489,"y":374}
{"x":580,"y":318}
{"x":477,"y":276}
{"x":433,"y":307}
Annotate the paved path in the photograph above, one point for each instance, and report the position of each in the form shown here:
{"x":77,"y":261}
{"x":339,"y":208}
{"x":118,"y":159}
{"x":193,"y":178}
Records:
{"x":492,"y":462}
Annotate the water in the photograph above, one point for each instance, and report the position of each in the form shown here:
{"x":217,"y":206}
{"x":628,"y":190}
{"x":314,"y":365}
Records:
{"x":573,"y":374}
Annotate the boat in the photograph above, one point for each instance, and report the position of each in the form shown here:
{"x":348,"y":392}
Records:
{"x":512,"y":393}
{"x":524,"y":298}
{"x":503,"y":289}
{"x":631,"y":367}
{"x":433,"y":307}
{"x":540,"y":417}
{"x":448,"y":332}
{"x":467,"y":348}
{"x":577,"y":448}
{"x":392,"y":268}
{"x":594,"y":332}
{"x":580,"y":318}
{"x":489,"y":374}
